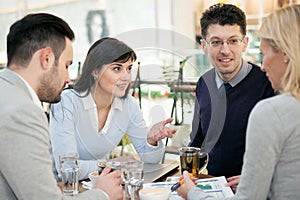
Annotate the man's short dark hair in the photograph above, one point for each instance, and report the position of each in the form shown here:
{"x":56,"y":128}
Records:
{"x":223,"y":14}
{"x":34,"y":32}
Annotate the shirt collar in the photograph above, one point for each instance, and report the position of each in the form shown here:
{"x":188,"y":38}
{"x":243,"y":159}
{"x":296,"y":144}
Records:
{"x":33,"y":94}
{"x":88,"y":102}
{"x":243,"y":72}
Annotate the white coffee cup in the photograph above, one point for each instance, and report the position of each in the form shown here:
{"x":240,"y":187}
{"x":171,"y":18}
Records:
{"x":154,"y":193}
{"x":93,"y":176}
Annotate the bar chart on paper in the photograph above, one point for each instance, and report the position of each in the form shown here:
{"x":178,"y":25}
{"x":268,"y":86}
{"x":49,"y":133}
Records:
{"x":215,"y":186}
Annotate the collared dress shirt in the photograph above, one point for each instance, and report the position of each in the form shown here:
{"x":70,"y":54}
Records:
{"x":242,"y":73}
{"x":74,"y":128}
{"x":33,"y":94}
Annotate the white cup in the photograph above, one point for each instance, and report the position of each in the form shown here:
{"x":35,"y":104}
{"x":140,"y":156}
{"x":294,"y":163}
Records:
{"x":93,"y":176}
{"x":154,"y":193}
{"x":69,"y":173}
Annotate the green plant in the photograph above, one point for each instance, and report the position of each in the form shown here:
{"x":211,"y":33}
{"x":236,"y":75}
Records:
{"x":182,"y":63}
{"x":126,"y":142}
{"x":170,"y":73}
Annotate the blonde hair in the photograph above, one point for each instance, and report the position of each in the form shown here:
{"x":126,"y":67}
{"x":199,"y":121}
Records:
{"x":282,"y":30}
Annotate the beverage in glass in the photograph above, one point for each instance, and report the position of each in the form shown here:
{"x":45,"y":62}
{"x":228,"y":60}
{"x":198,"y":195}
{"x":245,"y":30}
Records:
{"x":193,"y":160}
{"x":132,"y":173}
{"x":69,"y":173}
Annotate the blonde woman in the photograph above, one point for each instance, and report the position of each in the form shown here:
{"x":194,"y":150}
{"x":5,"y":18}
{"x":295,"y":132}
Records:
{"x":272,"y":158}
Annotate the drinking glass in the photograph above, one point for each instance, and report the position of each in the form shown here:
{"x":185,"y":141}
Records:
{"x":132,"y":173}
{"x":193,"y":160}
{"x":69,"y":173}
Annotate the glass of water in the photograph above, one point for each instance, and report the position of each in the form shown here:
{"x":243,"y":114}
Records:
{"x":132,"y":172}
{"x":69,"y":173}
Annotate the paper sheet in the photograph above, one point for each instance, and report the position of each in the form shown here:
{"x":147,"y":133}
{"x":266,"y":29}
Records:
{"x":215,"y":186}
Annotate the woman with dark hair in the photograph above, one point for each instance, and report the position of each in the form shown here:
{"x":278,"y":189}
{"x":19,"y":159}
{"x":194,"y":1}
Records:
{"x":92,"y":118}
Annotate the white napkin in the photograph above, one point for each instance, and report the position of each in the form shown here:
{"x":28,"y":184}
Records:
{"x":87,"y":185}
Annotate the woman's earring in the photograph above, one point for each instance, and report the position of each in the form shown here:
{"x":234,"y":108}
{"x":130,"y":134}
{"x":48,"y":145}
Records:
{"x":95,"y":78}
{"x":285,"y":61}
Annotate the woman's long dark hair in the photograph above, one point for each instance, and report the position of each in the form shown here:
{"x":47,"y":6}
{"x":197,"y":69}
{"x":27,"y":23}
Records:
{"x":104,"y":51}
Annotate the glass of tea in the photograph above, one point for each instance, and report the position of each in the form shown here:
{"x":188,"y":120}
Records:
{"x":193,"y":160}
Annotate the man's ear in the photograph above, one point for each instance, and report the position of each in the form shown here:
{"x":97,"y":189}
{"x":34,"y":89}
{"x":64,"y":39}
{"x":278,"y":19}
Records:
{"x":47,"y":58}
{"x":203,"y":45}
{"x":245,"y":43}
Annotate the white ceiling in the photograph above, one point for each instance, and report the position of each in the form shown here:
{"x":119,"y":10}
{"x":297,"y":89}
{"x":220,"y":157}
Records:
{"x":7,"y":6}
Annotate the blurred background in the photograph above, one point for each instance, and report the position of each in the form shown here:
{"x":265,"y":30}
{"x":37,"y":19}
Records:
{"x":92,"y":19}
{"x":162,"y":32}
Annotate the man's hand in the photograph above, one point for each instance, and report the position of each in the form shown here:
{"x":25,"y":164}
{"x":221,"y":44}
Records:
{"x":110,"y":182}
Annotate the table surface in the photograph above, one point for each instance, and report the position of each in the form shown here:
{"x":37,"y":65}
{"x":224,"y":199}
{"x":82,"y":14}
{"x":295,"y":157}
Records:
{"x":175,"y":173}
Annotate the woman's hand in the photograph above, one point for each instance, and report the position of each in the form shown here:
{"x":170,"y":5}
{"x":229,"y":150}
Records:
{"x":188,"y":184}
{"x":158,"y":131}
{"x":233,"y":182}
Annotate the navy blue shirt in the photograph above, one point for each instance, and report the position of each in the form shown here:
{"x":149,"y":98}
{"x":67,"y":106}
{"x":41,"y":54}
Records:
{"x":221,"y":116}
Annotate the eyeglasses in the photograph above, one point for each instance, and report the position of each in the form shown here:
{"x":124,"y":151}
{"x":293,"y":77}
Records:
{"x":231,"y":42}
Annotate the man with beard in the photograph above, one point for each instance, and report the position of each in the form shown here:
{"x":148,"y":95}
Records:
{"x":39,"y":50}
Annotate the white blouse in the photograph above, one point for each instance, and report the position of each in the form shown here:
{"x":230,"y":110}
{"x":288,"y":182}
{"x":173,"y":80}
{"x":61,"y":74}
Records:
{"x":74,"y":128}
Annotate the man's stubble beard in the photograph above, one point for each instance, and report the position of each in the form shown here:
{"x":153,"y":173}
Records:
{"x":50,"y":88}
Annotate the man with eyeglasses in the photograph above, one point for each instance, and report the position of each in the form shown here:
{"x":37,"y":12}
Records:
{"x":226,"y":94}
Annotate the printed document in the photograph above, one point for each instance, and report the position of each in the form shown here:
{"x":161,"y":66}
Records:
{"x":215,"y":186}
